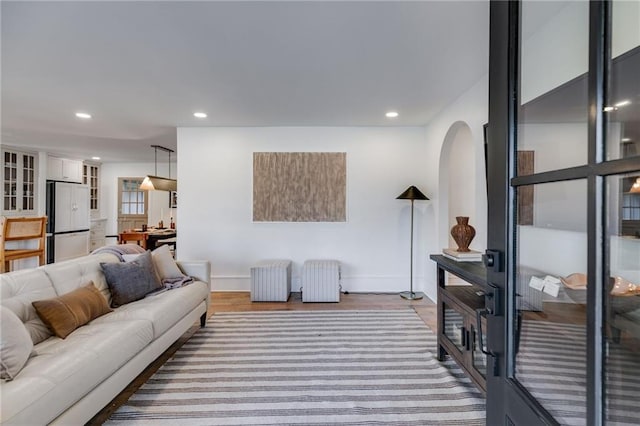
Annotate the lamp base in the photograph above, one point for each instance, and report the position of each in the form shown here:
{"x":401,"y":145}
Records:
{"x":410,"y":295}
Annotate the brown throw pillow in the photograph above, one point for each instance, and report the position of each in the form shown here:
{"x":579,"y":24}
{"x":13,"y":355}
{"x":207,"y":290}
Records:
{"x":65,"y":313}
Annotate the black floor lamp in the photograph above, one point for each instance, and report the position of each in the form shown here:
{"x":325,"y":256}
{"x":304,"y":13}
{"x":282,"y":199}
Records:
{"x":412,"y":193}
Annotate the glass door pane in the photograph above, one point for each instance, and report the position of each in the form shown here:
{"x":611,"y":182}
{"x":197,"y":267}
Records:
{"x":552,"y":120}
{"x":550,"y":298}
{"x":622,"y":330}
{"x":622,"y":300}
{"x":623,"y":105}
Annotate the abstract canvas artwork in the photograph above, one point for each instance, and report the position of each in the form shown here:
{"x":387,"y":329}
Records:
{"x":299,"y":186}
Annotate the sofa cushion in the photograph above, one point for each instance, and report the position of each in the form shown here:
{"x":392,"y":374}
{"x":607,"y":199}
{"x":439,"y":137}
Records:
{"x":65,"y":313}
{"x":131,"y":281}
{"x":71,"y":274}
{"x":18,"y":289}
{"x":62,"y":371}
{"x":15,"y":344}
{"x":162,"y":309}
{"x":166,"y":267}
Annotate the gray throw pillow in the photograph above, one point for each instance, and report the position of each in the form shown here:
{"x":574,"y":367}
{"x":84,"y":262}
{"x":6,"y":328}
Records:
{"x":131,"y":281}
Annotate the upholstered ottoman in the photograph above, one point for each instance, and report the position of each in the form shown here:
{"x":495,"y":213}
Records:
{"x":321,"y":281}
{"x":271,"y":281}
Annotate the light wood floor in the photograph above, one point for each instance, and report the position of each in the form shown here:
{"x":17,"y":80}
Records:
{"x":241,"y":302}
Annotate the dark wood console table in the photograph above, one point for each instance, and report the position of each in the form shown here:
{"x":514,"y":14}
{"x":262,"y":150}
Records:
{"x":458,"y":331}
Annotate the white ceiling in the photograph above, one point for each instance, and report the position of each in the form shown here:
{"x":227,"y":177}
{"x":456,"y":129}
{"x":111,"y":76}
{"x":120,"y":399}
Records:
{"x":143,"y":68}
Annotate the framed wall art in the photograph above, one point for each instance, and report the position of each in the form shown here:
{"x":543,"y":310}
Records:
{"x":299,"y":186}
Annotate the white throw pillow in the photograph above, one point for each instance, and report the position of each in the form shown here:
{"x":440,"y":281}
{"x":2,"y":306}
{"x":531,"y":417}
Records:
{"x":166,"y":267}
{"x":130,"y":257}
{"x":15,"y":344}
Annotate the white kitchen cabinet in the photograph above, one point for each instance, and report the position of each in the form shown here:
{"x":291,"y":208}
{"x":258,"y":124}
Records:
{"x":71,"y":207}
{"x":97,"y":234}
{"x":70,"y":246}
{"x":63,"y":169}
{"x":19,"y":178}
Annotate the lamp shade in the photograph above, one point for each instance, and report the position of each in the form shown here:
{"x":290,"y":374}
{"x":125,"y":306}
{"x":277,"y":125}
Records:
{"x":155,"y":183}
{"x":412,"y":193}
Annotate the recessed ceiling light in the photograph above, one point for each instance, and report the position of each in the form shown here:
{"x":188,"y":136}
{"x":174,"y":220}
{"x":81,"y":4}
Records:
{"x":625,"y":140}
{"x":623,"y":103}
{"x":391,"y":114}
{"x":200,"y":115}
{"x":608,"y":108}
{"x":95,"y":158}
{"x":83,"y":115}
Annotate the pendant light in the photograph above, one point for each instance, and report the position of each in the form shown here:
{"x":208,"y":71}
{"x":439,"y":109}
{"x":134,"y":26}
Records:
{"x":157,"y":183}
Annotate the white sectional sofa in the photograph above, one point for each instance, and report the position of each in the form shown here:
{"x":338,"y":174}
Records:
{"x":67,"y":381}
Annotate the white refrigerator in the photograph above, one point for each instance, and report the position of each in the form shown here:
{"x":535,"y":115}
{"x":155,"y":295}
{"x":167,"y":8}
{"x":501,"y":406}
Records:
{"x":68,"y":221}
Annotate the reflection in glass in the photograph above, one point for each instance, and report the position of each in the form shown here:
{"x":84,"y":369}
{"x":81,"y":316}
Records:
{"x":550,"y":322}
{"x":552,"y":120}
{"x":479,"y":359}
{"x":622,"y":338}
{"x":454,"y":327}
{"x":623,"y":106}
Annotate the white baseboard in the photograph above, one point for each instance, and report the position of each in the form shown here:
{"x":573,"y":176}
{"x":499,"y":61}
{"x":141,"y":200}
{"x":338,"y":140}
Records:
{"x":352,"y":284}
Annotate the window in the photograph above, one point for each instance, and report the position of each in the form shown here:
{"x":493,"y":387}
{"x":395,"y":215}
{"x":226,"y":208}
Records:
{"x":133,"y":200}
{"x":133,"y":204}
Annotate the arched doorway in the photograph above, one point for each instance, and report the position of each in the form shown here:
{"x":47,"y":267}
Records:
{"x":457,"y":180}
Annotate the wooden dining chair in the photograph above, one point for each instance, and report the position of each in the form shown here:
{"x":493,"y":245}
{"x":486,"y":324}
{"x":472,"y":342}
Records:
{"x":16,"y":229}
{"x":140,"y":238}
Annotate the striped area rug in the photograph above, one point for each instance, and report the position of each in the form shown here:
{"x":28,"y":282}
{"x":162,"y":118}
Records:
{"x":307,"y":367}
{"x":552,"y":365}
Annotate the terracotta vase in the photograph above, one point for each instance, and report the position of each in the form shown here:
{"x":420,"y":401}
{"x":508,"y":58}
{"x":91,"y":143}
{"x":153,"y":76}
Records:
{"x":463,"y":233}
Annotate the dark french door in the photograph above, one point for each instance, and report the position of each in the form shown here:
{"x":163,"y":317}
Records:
{"x":564,"y":229}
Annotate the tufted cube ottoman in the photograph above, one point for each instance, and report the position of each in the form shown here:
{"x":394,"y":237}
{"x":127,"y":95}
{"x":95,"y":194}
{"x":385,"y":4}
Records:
{"x":321,"y":281}
{"x":271,"y":281}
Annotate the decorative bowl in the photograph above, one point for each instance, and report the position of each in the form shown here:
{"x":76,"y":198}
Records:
{"x":575,"y":281}
{"x":623,"y":296}
{"x":575,"y":285}
{"x":622,"y":287}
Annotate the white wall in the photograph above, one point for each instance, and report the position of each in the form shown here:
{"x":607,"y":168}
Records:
{"x":625,"y":31}
{"x":553,"y":251}
{"x":558,"y":50}
{"x":470,"y":110}
{"x":215,"y":171}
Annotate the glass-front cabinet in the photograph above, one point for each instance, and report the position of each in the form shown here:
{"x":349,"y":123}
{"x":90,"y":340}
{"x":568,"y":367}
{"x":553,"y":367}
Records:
{"x":479,"y":348}
{"x":460,"y":335}
{"x":19,"y":179}
{"x":455,"y":325}
{"x":90,"y":176}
